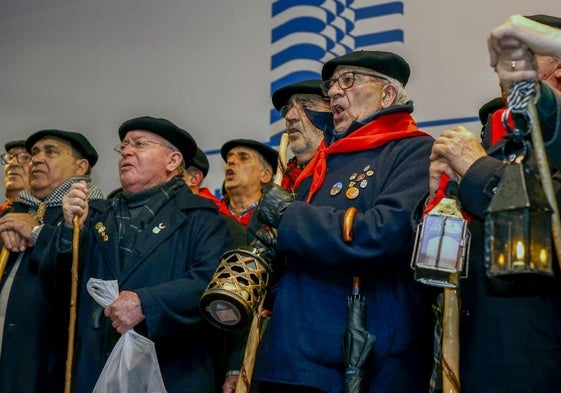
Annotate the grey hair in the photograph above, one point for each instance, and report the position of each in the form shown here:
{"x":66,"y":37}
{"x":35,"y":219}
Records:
{"x":402,"y":96}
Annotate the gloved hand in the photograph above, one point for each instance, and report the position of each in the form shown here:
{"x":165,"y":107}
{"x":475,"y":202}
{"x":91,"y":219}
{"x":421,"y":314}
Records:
{"x":272,"y":205}
{"x":266,"y":237}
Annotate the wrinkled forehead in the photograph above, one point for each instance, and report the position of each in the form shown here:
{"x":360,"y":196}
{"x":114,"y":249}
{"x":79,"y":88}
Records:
{"x":16,"y":149}
{"x":48,"y":141}
{"x":243,"y":150}
{"x":139,"y":134}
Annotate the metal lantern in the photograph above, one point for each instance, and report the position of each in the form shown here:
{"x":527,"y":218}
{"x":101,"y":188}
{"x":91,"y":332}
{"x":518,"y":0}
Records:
{"x":518,"y":225}
{"x":236,"y":289}
{"x":441,"y":245}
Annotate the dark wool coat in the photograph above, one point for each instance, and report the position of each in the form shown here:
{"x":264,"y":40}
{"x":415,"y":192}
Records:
{"x":177,"y":255}
{"x":302,"y":343}
{"x":34,"y":338}
{"x":510,"y":331}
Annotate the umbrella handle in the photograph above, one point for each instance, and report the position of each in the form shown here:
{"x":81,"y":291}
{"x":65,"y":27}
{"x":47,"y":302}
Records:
{"x":348,"y":219}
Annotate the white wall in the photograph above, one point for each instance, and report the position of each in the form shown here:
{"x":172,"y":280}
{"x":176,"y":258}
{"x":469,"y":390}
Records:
{"x":89,"y":65}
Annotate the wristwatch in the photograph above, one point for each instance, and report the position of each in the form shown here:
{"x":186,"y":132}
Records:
{"x":35,"y":234}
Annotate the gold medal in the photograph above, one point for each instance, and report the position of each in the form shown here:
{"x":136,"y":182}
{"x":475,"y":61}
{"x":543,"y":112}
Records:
{"x":352,"y":192}
{"x":101,"y":231}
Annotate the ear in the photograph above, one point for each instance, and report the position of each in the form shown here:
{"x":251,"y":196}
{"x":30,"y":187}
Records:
{"x":266,"y":176}
{"x":82,"y":166}
{"x":174,"y":159}
{"x":389,"y":95}
{"x":194,"y":178}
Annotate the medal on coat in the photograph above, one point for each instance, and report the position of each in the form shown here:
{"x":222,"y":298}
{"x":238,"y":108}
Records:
{"x":101,"y":231}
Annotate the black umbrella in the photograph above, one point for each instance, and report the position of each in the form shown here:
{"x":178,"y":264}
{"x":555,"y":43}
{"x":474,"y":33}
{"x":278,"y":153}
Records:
{"x":357,"y":341}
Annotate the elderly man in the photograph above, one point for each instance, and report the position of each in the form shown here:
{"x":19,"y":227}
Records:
{"x":16,"y":163}
{"x":249,"y":166}
{"x":162,"y":243}
{"x":58,"y":159}
{"x":511,"y":323}
{"x":307,"y":115}
{"x":375,"y":160}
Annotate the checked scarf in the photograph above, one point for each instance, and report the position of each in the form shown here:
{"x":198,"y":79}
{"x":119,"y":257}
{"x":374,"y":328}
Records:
{"x":55,"y":197}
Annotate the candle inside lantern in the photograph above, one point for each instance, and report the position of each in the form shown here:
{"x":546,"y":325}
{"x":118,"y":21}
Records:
{"x":519,"y":262}
{"x":501,"y":260}
{"x":543,"y":256}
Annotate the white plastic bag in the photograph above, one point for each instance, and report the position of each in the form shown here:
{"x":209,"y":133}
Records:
{"x":132,"y":366}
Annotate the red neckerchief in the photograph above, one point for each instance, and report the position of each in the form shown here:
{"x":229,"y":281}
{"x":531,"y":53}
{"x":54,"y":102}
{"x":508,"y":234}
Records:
{"x":497,"y":127}
{"x":291,"y":174}
{"x":222,"y":208}
{"x":441,"y":194}
{"x":245,"y":219}
{"x":5,"y":205}
{"x":377,"y":133}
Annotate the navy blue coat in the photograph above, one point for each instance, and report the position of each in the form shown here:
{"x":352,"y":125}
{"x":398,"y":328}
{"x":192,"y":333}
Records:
{"x":34,"y":337}
{"x":302,"y":343}
{"x":177,"y":255}
{"x":510,"y":332}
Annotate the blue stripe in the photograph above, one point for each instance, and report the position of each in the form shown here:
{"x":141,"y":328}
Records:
{"x":299,"y":51}
{"x":379,"y":38}
{"x":443,"y":122}
{"x":293,"y":77}
{"x":298,"y":25}
{"x":379,"y":10}
{"x":282,"y":5}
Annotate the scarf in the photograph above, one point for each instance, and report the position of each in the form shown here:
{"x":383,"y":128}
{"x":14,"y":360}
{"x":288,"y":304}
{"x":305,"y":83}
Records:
{"x":378,"y":132}
{"x":134,"y":212}
{"x":55,"y":197}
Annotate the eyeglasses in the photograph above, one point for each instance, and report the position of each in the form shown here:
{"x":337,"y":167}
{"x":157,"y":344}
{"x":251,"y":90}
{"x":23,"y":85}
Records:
{"x":139,"y":145}
{"x":346,"y":80}
{"x":21,"y":158}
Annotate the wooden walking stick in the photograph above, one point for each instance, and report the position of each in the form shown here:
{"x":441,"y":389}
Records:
{"x":260,"y":317}
{"x":4,"y":255}
{"x":451,"y":341}
{"x":73,"y":299}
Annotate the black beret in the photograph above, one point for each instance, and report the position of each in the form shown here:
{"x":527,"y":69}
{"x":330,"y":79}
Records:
{"x":12,"y":144}
{"x":200,"y":162}
{"x":178,"y":137}
{"x":386,"y":63}
{"x":270,"y":154}
{"x":282,"y":96}
{"x":76,"y":140}
{"x":489,"y":107}
{"x":546,"y":20}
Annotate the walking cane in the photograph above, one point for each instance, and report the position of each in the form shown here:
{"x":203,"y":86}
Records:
{"x":73,"y":298}
{"x":260,"y":317}
{"x":4,"y":255}
{"x":451,"y":341}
